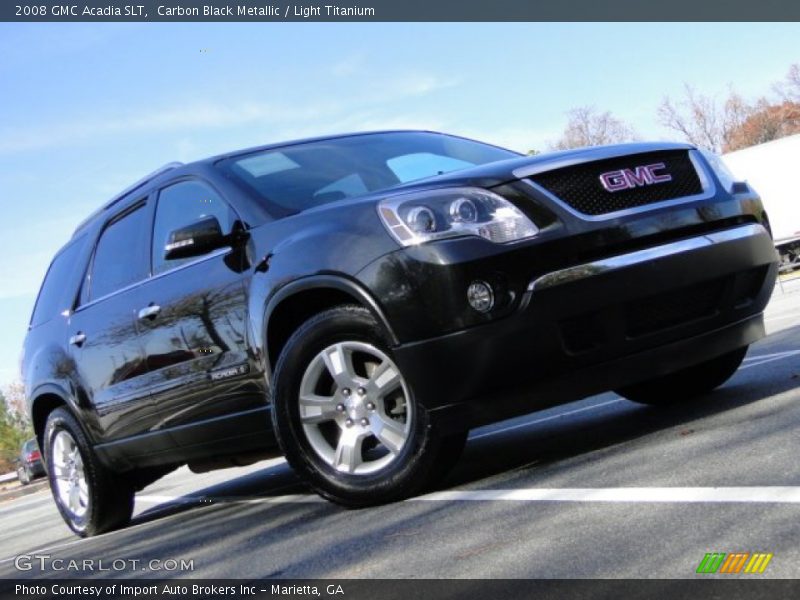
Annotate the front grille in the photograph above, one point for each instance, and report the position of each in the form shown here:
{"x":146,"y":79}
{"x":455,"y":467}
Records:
{"x":579,"y":186}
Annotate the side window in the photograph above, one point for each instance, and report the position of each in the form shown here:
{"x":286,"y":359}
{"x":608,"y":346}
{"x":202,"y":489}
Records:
{"x":55,"y":297}
{"x":120,"y":258}
{"x":182,"y":204}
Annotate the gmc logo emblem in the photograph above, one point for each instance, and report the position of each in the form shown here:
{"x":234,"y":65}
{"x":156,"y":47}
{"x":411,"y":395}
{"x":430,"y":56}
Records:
{"x":627,"y":179}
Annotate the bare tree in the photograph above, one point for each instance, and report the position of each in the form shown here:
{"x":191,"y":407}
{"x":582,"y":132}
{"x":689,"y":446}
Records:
{"x":702,"y":120}
{"x":15,"y":397}
{"x":588,"y":127}
{"x":789,"y":88}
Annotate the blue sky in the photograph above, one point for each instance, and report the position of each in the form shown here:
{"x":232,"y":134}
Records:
{"x":85,"y":109}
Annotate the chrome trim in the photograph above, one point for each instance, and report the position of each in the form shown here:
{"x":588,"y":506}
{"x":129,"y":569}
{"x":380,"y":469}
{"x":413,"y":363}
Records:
{"x":621,"y":261}
{"x":706,"y":182}
{"x":592,"y":155}
{"x":148,"y":312}
{"x":205,"y":257}
{"x":191,"y":263}
{"x":737,"y":233}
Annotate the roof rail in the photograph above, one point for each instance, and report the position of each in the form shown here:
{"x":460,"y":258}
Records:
{"x":149,"y":177}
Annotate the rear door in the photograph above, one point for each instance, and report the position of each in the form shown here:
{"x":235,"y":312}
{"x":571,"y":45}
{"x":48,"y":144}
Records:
{"x":103,"y":340}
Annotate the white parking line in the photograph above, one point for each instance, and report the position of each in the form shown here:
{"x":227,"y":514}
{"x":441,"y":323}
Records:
{"x":550,"y":418}
{"x":769,"y":494}
{"x":774,"y":354}
{"x":777,"y":494}
{"x":752,"y":361}
{"x":288,"y":499}
{"x":756,"y":361}
{"x":780,"y":318}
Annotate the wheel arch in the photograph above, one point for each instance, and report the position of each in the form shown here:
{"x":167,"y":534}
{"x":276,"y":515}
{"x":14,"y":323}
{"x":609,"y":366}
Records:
{"x":45,"y":400}
{"x":298,"y":301}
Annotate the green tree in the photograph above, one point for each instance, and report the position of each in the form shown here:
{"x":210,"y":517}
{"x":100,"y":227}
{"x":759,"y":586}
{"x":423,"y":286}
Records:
{"x":14,"y":430}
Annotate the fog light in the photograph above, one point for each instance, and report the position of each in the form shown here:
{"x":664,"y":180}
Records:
{"x":480,"y":296}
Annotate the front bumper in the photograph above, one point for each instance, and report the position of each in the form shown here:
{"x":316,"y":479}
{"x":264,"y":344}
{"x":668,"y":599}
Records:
{"x":598,"y":326}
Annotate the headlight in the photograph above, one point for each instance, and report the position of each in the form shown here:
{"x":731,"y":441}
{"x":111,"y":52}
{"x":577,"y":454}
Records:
{"x":438,"y":214}
{"x":723,"y":173}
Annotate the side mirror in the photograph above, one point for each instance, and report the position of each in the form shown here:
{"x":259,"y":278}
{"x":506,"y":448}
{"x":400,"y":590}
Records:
{"x":196,"y":239}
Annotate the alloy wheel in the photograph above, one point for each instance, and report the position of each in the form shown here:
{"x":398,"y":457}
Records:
{"x":355,"y":408}
{"x":70,"y":479}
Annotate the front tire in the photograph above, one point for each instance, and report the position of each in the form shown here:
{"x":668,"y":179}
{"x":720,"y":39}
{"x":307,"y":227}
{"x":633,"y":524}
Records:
{"x":346,"y":418}
{"x":90,"y":498}
{"x":687,"y":383}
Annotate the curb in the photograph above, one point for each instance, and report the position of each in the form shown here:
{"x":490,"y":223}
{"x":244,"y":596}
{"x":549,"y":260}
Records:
{"x":26,"y":490}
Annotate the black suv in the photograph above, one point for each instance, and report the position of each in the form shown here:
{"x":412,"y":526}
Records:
{"x":359,"y":302}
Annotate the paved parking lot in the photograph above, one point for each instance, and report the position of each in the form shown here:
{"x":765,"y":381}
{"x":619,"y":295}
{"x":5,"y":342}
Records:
{"x":598,"y":488}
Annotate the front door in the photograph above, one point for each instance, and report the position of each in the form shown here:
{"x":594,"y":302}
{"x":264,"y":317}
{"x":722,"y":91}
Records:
{"x":193,"y":326}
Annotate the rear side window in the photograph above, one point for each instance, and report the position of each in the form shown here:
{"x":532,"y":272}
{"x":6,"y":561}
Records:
{"x":120,"y":258}
{"x":57,"y":292}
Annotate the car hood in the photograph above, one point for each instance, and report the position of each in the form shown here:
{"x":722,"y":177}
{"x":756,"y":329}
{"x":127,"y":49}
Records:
{"x":498,"y":173}
{"x":501,"y":172}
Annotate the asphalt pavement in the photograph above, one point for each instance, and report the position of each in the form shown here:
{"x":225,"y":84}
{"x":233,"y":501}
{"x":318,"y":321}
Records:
{"x":601,"y":488}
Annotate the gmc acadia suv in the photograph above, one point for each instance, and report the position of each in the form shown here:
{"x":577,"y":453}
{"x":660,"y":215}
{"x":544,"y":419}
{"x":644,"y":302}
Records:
{"x":359,"y":302}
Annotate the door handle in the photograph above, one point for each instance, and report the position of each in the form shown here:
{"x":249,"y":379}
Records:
{"x":77,"y":339}
{"x":149,"y":312}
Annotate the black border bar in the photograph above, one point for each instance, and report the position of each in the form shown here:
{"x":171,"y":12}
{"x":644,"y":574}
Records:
{"x":399,"y":10}
{"x":708,"y":587}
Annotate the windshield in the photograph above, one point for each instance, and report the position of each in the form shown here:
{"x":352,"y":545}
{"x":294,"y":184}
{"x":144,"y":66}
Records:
{"x":294,"y":178}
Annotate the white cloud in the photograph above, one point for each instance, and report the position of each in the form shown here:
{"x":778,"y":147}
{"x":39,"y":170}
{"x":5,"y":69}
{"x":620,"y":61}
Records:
{"x":386,"y":92}
{"x":420,"y":84}
{"x":178,"y":118}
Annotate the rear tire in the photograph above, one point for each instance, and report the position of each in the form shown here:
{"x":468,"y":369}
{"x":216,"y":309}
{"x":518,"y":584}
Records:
{"x":23,"y":475}
{"x":90,"y":498}
{"x":346,"y":419}
{"x":686,"y":384}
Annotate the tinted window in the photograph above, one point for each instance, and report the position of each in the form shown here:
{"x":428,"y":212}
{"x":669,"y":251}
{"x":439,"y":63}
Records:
{"x":120,"y":258}
{"x":57,"y":293}
{"x":410,"y":167}
{"x":180,"y":205}
{"x":294,"y":178}
{"x":352,"y":185}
